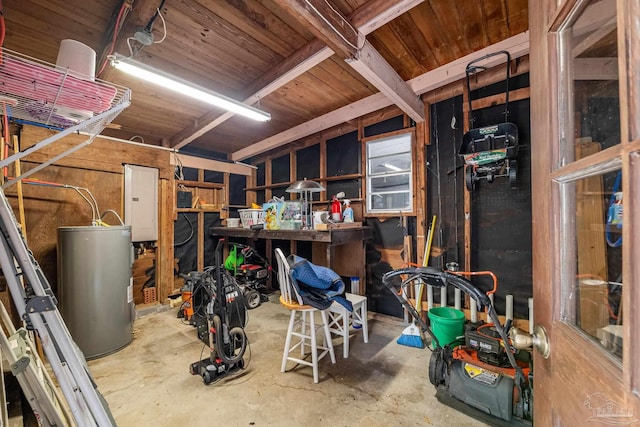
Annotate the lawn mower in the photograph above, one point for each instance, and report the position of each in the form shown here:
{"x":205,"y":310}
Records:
{"x":490,"y":152}
{"x":481,"y":373}
{"x":252,"y":271}
{"x":219,"y":315}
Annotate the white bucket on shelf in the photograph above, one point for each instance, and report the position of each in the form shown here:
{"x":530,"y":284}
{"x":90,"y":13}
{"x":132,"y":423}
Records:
{"x":233,"y":222}
{"x":77,"y":57}
{"x":80,"y":59}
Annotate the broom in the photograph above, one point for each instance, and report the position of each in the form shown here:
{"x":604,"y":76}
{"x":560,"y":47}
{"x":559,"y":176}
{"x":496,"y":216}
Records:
{"x":412,"y":335}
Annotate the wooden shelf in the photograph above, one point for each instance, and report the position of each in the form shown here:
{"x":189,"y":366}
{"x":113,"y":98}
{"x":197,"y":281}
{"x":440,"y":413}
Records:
{"x":205,"y":196}
{"x":326,"y":179}
{"x":197,"y":210}
{"x":200,"y":184}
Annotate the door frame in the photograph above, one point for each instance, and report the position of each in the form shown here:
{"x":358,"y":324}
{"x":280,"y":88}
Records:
{"x":577,"y":368}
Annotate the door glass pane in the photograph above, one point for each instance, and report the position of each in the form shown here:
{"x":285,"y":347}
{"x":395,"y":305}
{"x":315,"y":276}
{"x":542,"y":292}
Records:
{"x":592,"y":197}
{"x":598,"y":239}
{"x":592,"y":56}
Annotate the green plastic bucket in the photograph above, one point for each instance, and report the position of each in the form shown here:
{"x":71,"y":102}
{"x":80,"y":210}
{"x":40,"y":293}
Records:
{"x":447,"y":324}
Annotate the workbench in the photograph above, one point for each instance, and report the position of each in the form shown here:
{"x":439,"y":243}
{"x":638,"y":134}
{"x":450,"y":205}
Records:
{"x":342,"y":250}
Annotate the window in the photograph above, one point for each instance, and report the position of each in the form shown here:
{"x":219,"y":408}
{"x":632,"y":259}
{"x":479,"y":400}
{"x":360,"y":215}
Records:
{"x":589,"y":175}
{"x":390,"y":173}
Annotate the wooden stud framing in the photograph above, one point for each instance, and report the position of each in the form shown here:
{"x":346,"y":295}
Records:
{"x":422,"y":132}
{"x":467,"y":193}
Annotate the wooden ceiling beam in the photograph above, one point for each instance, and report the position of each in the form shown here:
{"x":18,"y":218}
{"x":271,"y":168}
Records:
{"x":517,"y":46}
{"x":367,"y":18}
{"x":377,"y":13}
{"x":373,"y":67}
{"x":185,"y":160}
{"x":351,"y":45}
{"x":326,"y":23}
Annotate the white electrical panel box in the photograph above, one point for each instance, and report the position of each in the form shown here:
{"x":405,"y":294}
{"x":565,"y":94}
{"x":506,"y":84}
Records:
{"x":141,"y":202}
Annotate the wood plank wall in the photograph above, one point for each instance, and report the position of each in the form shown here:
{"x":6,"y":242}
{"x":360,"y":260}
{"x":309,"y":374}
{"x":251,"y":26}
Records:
{"x":98,"y":167}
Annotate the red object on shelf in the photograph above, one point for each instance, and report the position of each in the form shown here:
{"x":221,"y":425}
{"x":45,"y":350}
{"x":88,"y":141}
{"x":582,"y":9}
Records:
{"x":336,"y":209}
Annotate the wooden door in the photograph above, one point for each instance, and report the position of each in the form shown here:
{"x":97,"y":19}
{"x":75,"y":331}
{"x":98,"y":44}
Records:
{"x":585,"y":122}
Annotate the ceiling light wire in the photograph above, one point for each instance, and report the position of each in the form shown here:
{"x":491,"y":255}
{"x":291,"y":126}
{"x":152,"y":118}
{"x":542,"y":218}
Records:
{"x":122,"y":15}
{"x":149,"y":25}
{"x":164,"y":27}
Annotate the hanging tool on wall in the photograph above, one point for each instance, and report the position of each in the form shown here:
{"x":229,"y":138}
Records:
{"x":491,"y":151}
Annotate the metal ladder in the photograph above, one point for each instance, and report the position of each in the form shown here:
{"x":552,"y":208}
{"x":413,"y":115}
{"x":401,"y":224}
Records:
{"x":37,"y":307}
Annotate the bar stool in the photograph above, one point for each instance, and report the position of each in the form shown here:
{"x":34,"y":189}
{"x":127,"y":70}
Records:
{"x":340,"y":319}
{"x":305,"y":327}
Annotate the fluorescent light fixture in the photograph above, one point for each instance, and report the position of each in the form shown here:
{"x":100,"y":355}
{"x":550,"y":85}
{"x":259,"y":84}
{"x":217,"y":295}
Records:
{"x":160,"y":78}
{"x":392,"y":167}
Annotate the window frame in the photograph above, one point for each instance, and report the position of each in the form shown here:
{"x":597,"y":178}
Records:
{"x":566,"y":171}
{"x":368,"y":211}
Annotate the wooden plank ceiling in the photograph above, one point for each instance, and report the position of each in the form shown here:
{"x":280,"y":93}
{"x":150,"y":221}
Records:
{"x":296,"y":59}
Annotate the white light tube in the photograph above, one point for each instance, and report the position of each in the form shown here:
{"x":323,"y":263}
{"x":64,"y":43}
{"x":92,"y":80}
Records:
{"x":160,"y":78}
{"x":392,"y":167}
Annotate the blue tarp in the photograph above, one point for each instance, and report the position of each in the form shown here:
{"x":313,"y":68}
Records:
{"x":318,"y":286}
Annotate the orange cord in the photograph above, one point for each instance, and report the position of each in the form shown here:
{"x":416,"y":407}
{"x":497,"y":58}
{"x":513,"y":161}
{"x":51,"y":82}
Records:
{"x":116,"y":28}
{"x":479,"y":273}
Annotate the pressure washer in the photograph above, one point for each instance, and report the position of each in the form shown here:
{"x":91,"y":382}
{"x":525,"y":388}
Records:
{"x":219,"y":315}
{"x":251,"y":271}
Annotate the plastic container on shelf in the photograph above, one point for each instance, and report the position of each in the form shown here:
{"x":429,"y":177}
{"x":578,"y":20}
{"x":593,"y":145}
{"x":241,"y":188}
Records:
{"x":251,"y":217}
{"x":233,"y":222}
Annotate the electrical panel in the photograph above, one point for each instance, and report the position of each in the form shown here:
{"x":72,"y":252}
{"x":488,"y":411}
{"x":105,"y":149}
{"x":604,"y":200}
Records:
{"x":141,"y":202}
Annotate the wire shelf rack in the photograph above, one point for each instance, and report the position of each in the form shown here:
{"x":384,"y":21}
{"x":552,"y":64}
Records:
{"x":45,"y":94}
{"x":36,"y":92}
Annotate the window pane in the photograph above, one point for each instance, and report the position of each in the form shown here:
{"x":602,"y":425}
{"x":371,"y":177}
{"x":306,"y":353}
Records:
{"x":390,"y":146}
{"x":389,"y":174}
{"x":598,"y":239}
{"x":593,"y":58}
{"x":392,"y":183}
{"x":592,"y":205}
{"x":390,"y":202}
{"x":390,"y":164}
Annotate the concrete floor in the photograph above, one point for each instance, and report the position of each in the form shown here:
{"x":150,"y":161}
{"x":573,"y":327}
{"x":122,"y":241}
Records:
{"x":380,"y":384}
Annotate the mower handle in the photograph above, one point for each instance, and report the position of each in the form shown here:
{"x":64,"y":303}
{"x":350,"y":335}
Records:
{"x":480,"y":273}
{"x":434,"y":277}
